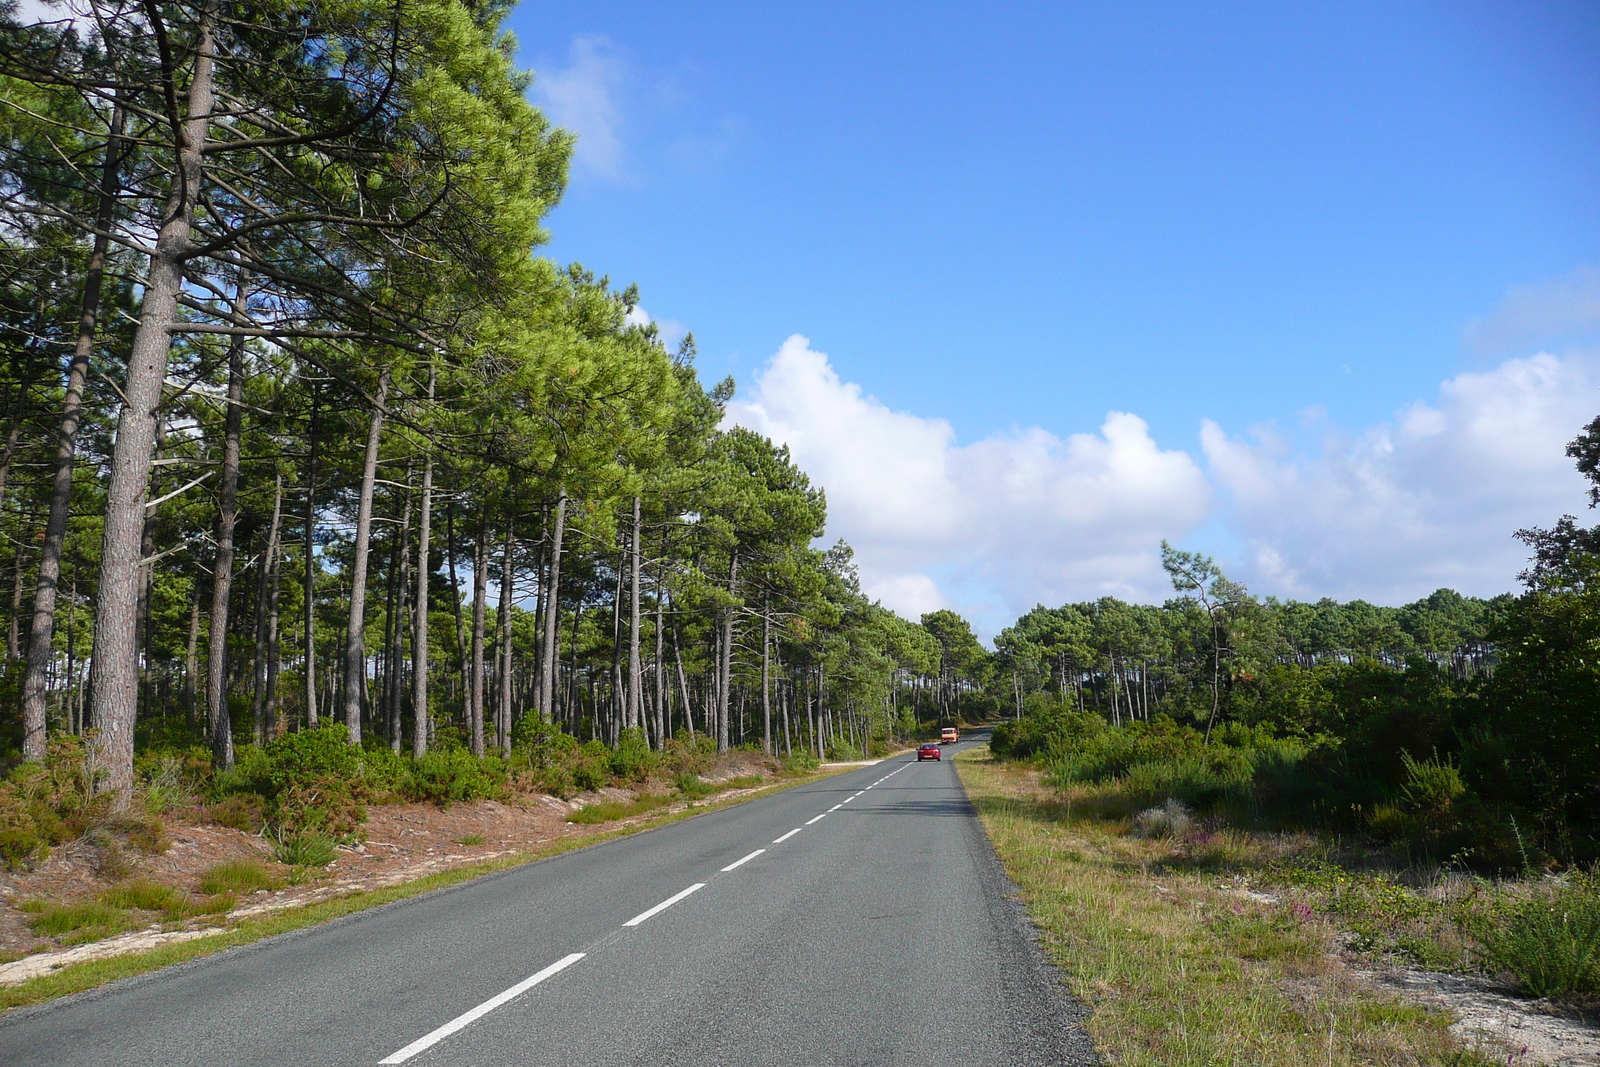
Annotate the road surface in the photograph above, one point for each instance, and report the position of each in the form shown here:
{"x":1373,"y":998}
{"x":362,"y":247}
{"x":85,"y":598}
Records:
{"x":861,"y":919}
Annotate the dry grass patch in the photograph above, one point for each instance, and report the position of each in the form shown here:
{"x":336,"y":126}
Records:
{"x":1180,"y":965}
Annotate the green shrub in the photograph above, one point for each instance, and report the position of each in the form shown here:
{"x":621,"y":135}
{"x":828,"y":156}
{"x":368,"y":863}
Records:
{"x":21,"y":839}
{"x":241,"y":811}
{"x":446,"y":775}
{"x":385,"y":772}
{"x":691,"y":786}
{"x":1051,"y":731}
{"x":144,"y":895}
{"x":324,"y":805}
{"x":608,"y":810}
{"x":541,"y":745}
{"x":44,"y":804}
{"x":685,"y":754}
{"x":1551,"y":940}
{"x":633,"y":761}
{"x":844,"y":751}
{"x":319,"y":754}
{"x":304,"y":850}
{"x":238,"y":876}
{"x":801,"y":762}
{"x":591,"y":771}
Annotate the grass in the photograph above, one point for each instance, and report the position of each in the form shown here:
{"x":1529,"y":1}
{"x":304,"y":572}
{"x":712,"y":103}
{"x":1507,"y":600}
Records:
{"x":239,"y":876}
{"x":305,"y":850}
{"x":75,"y":924}
{"x":90,"y":974}
{"x":611,"y":810}
{"x":469,"y":840}
{"x":1178,"y":966}
{"x":144,"y":895}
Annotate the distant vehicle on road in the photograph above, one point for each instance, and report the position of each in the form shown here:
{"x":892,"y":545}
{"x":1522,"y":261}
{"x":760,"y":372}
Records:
{"x":947,"y":736}
{"x":928,"y":751}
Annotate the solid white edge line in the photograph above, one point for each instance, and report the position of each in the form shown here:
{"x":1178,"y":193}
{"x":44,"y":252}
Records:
{"x":664,"y":905}
{"x":746,"y":859}
{"x":467,"y":1018}
{"x":786,"y":836}
{"x":824,"y":815}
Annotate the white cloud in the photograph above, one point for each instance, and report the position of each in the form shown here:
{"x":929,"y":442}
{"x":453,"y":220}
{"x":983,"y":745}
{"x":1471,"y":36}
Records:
{"x":1428,"y":499}
{"x":671,"y":331}
{"x":582,"y":97}
{"x":1531,"y":315}
{"x":991,"y":527}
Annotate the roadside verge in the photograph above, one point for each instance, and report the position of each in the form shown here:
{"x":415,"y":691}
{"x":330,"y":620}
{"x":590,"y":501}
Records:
{"x":1178,"y":967}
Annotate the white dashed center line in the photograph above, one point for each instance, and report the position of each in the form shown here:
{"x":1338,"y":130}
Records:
{"x":786,"y":836}
{"x":824,"y":815}
{"x":664,"y":905}
{"x":745,"y":860}
{"x":481,"y":1010}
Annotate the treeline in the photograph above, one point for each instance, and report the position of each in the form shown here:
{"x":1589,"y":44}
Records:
{"x":1455,"y":728}
{"x":298,"y":429}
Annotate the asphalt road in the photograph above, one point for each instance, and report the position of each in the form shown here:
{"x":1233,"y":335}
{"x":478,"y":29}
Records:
{"x":879,"y":933}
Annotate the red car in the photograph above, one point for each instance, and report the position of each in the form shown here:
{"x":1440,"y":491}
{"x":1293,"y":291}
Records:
{"x":928,"y":751}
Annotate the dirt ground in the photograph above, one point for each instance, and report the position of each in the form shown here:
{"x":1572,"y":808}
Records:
{"x":403,"y":842}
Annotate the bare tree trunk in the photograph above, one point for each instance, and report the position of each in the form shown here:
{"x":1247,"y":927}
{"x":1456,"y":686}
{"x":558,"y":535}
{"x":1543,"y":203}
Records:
{"x":191,"y":660}
{"x":272,"y":711}
{"x":662,"y":716}
{"x":419,"y":639}
{"x":635,"y":668}
{"x":355,"y":639}
{"x":727,"y":654}
{"x":265,"y":590}
{"x":766,"y":682}
{"x":401,"y":583}
{"x":480,"y":594}
{"x":547,"y":668}
{"x":502,"y":730}
{"x":222,"y":568}
{"x":617,"y":696}
{"x":683,"y":685}
{"x":114,"y":668}
{"x":309,"y":621}
{"x":455,"y":605}
{"x":783,"y":710}
{"x":42,"y":627}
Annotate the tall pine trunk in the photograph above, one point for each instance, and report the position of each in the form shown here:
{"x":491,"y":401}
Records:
{"x":726,"y":665}
{"x":265,"y":590}
{"x":547,"y":666}
{"x":419,"y":638}
{"x":113,"y":705}
{"x":222,"y":567}
{"x":635,"y":667}
{"x":355,"y":639}
{"x":766,"y":680}
{"x":41,"y":630}
{"x":308,"y":620}
{"x":502,"y":730}
{"x":480,"y":596}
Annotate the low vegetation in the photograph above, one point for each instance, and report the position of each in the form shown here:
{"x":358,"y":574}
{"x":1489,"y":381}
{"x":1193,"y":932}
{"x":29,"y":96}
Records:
{"x":1192,"y":942}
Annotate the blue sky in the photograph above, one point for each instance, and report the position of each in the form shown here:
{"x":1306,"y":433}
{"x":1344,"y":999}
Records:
{"x":1007,"y":221}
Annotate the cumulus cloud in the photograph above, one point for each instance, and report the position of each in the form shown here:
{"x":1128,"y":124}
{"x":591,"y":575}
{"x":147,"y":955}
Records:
{"x":671,"y":331}
{"x":582,"y":97}
{"x":990,"y":527}
{"x":1531,"y":315}
{"x":1425,"y":500}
